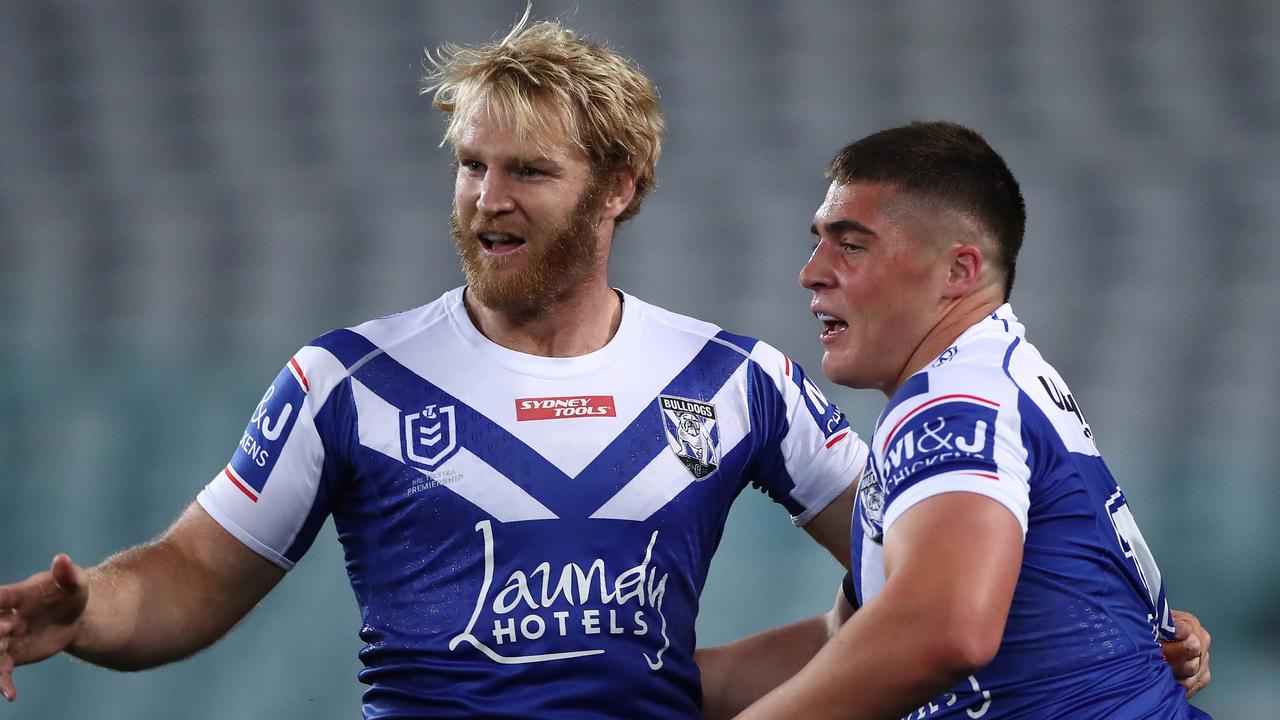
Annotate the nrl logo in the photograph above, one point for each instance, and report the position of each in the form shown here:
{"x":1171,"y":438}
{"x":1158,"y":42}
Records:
{"x":429,"y":436}
{"x":692,"y":434}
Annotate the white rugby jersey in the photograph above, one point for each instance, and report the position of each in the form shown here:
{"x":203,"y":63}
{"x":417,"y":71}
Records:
{"x":990,"y":416}
{"x":528,"y":536}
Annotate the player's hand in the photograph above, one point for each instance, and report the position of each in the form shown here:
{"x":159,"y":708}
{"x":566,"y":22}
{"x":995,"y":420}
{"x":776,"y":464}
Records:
{"x":38,"y":617}
{"x":1188,"y":653}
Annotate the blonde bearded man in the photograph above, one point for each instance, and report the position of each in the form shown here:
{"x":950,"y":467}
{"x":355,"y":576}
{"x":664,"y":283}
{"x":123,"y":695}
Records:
{"x":525,"y":532}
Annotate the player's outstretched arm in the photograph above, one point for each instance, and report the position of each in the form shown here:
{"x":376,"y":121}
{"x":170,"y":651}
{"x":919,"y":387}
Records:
{"x":1188,"y":653}
{"x":143,"y":607}
{"x":38,"y":616}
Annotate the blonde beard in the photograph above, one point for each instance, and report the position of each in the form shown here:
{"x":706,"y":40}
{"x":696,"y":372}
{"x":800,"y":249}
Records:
{"x":560,"y":259}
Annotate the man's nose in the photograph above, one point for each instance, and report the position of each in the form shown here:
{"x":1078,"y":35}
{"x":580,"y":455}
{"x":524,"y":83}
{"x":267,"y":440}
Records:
{"x":495,"y":194}
{"x":816,"y":272}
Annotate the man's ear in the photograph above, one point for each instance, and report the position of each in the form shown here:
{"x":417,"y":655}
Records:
{"x":621,"y":190}
{"x":964,"y":272}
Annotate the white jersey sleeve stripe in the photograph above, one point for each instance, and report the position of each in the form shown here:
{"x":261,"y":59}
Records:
{"x":990,"y":487}
{"x":210,"y":505}
{"x":816,"y":431}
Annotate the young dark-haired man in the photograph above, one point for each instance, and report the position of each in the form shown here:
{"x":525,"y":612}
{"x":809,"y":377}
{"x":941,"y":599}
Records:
{"x":998,"y":567}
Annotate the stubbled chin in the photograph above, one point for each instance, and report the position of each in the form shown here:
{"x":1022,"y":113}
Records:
{"x":493,"y":271}
{"x":835,"y":366}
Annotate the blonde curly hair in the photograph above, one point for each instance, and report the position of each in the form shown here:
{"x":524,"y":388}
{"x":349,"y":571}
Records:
{"x":543,"y":79}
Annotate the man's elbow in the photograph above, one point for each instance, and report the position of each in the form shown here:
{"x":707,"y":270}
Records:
{"x":962,"y":649}
{"x":964,"y":631}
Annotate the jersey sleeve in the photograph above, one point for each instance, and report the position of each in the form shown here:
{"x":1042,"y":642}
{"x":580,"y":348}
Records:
{"x":807,"y":454}
{"x":276,"y":491}
{"x":954,"y":432}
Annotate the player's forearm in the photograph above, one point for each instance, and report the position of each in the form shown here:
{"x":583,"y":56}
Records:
{"x":737,"y":674}
{"x":147,"y":606}
{"x":167,"y":599}
{"x":886,"y":661}
{"x":952,"y":564}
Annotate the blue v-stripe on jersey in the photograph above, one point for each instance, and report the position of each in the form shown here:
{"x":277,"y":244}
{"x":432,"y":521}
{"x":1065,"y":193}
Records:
{"x":990,"y":416}
{"x":528,"y":536}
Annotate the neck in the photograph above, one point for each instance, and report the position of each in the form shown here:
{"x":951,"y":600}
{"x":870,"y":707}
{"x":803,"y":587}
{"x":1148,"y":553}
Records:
{"x":959,"y":315}
{"x":581,"y":322}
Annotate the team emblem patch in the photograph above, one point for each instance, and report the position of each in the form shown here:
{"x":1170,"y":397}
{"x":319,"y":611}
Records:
{"x":870,"y":510}
{"x":429,"y":436}
{"x":692,"y":434}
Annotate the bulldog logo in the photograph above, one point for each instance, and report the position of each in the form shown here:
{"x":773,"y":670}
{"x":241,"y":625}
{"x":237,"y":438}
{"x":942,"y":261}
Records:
{"x":870,"y":510}
{"x":692,"y":434}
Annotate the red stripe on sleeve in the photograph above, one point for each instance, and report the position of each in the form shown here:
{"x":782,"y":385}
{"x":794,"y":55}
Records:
{"x":232,"y":476}
{"x":297,"y":369}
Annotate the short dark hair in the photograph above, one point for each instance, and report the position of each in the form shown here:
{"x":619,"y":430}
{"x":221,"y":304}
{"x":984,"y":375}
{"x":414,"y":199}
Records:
{"x":948,"y":163}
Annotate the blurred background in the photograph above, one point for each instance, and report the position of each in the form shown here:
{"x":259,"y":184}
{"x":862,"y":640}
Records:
{"x":189,"y":191}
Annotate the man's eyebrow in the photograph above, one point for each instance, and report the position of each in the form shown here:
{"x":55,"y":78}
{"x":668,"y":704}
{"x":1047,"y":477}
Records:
{"x":841,"y":227}
{"x":517,"y":160}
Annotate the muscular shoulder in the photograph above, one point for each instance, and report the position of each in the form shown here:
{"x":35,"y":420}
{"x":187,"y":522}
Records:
{"x":759,"y":351}
{"x":330,"y":358}
{"x":673,"y":321}
{"x":968,"y":372}
{"x":390,"y":331}
{"x":957,"y":425}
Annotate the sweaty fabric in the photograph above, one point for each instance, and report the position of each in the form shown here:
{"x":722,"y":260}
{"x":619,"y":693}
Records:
{"x":528,"y":536}
{"x":990,"y":416}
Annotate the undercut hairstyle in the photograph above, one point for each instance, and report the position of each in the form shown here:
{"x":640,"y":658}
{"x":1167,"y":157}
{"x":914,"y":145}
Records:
{"x":948,"y":164}
{"x":543,"y":79}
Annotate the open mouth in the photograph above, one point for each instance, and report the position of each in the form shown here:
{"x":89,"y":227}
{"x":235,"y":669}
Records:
{"x":831,"y":325}
{"x":496,"y":243}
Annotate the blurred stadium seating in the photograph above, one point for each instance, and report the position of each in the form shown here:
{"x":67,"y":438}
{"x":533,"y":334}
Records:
{"x":191,"y":190}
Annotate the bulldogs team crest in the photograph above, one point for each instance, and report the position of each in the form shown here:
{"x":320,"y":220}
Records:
{"x":692,"y":433}
{"x":870,"y":510}
{"x":429,"y":436}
